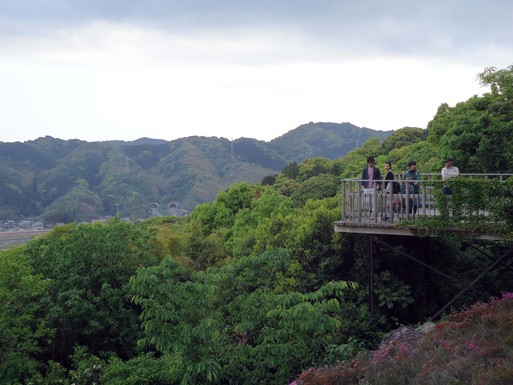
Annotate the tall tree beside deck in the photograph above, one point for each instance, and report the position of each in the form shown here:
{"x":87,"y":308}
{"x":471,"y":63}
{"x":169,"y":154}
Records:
{"x":478,"y":133}
{"x":499,"y":80}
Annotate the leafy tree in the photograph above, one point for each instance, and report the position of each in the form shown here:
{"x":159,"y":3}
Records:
{"x":88,"y":303}
{"x":404,"y":137}
{"x":357,"y":159}
{"x":424,"y":153}
{"x":478,"y":133}
{"x":233,"y":324}
{"x":79,"y":204}
{"x":317,"y":247}
{"x":180,"y":318}
{"x":317,"y":187}
{"x":439,"y":125}
{"x":146,"y":159}
{"x":128,"y":190}
{"x":286,"y":186}
{"x":500,"y":81}
{"x":205,"y":251}
{"x":291,"y":170}
{"x":237,"y":197}
{"x":272,"y":223}
{"x":14,"y":199}
{"x":477,"y":138}
{"x":84,"y":163}
{"x":172,"y":234}
{"x":243,"y":239}
{"x":313,"y":167}
{"x":269,"y":180}
{"x":145,"y":369}
{"x":392,"y":292}
{"x":86,"y":368}
{"x":56,"y":183}
{"x":207,"y":217}
{"x":259,"y":228}
{"x":21,"y":328}
{"x":222,"y":212}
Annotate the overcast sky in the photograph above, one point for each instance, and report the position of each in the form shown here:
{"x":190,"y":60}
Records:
{"x":125,"y":69}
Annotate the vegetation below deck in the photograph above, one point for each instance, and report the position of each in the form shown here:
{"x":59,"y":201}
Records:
{"x":255,"y":287}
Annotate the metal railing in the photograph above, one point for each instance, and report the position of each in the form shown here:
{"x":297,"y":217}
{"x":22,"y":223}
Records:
{"x":380,"y":205}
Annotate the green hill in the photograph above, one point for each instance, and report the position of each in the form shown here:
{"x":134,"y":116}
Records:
{"x":73,"y":180}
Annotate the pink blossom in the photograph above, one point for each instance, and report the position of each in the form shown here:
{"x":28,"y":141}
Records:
{"x":471,"y":345}
{"x":378,"y":355}
{"x":404,"y":347}
{"x":427,"y":365}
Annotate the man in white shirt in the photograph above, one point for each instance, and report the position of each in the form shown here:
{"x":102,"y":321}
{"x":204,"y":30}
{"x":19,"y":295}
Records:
{"x":448,"y":172}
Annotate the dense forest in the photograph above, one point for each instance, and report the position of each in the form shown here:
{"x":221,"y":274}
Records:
{"x":255,"y":287}
{"x":62,"y":181}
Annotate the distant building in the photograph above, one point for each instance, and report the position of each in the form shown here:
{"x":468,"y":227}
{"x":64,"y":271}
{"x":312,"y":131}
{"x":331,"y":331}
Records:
{"x":176,"y":210}
{"x":26,"y":224}
{"x":154,"y":210}
{"x":10,"y":225}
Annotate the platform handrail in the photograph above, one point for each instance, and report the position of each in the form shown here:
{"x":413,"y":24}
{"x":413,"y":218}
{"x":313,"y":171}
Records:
{"x":429,"y":201}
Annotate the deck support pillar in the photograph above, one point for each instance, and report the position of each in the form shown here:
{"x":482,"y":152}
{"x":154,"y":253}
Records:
{"x":371,"y":272}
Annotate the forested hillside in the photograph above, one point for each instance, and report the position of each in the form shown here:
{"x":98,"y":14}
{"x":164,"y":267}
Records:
{"x":60,"y":181}
{"x":255,"y":287}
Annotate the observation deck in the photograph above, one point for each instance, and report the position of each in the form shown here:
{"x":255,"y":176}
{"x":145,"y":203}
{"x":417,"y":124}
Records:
{"x":475,"y":199}
{"x":480,"y":207}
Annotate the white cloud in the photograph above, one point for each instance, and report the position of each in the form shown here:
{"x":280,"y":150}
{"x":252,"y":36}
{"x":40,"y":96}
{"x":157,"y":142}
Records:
{"x":105,"y":80}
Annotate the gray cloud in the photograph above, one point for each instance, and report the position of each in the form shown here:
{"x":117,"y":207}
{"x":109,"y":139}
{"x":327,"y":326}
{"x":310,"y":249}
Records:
{"x":118,"y":63}
{"x":399,"y":26}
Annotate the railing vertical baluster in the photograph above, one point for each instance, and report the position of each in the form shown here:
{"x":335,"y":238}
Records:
{"x":359,"y":198}
{"x":407,"y":205}
{"x":422,"y":193}
{"x":344,"y":200}
{"x":356,"y":205}
{"x":374,"y":204}
{"x":351,"y":200}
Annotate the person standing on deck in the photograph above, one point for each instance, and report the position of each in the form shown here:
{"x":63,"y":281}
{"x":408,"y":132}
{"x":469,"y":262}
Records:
{"x":389,"y":189}
{"x":448,"y":172}
{"x":412,"y":175}
{"x":371,"y":181}
{"x":389,"y":176}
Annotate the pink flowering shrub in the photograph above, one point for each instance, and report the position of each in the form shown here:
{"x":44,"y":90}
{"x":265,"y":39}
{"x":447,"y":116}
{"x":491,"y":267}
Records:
{"x":472,"y":346}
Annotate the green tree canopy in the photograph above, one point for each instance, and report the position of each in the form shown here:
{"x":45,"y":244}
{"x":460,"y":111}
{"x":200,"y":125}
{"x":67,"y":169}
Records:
{"x":405,"y":136}
{"x":500,"y":81}
{"x":478,"y":133}
{"x":235,"y":324}
{"x":21,"y":328}
{"x":88,"y":303}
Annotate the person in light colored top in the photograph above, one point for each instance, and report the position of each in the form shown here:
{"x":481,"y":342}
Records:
{"x":450,"y":170}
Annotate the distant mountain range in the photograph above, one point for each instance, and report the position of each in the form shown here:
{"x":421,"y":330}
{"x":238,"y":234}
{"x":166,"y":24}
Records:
{"x":73,"y":180}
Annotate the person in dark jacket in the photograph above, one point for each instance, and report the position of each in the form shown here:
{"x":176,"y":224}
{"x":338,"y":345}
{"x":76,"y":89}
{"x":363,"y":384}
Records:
{"x":389,"y":176}
{"x":371,"y":181}
{"x":412,"y":176}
